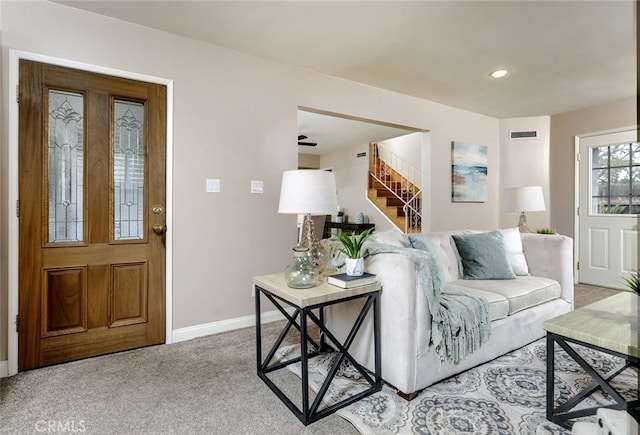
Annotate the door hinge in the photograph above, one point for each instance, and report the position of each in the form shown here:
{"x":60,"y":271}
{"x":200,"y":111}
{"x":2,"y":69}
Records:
{"x":17,"y":322}
{"x":18,"y":94}
{"x":18,"y":208}
{"x":578,"y":211}
{"x":578,"y":156}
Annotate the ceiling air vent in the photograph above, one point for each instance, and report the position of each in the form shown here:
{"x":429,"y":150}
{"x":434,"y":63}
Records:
{"x":529,"y":134}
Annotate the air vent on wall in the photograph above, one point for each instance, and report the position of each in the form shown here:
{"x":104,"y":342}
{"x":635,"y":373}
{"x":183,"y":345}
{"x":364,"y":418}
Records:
{"x":529,"y":134}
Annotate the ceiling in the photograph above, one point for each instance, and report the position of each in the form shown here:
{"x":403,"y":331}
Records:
{"x":333,"y":132}
{"x":562,"y":55}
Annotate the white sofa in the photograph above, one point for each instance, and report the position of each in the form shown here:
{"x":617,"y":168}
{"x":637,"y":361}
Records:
{"x":517,"y":307}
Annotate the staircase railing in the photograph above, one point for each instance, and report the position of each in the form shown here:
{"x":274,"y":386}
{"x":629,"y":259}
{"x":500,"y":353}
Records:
{"x":413,"y":213}
{"x":411,"y":176}
{"x":401,"y":179}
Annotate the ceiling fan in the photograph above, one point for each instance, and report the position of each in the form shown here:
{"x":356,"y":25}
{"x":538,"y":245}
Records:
{"x":302,"y":137}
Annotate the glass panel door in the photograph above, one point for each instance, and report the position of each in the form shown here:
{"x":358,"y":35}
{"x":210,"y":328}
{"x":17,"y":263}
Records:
{"x":65,"y":164}
{"x":128,"y":171}
{"x":615,"y":179}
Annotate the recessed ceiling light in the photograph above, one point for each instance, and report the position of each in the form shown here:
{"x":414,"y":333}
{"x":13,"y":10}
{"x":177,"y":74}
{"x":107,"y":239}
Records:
{"x":499,"y":73}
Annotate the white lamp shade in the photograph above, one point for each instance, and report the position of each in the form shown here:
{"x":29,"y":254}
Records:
{"x":528,"y":198}
{"x":308,"y":191}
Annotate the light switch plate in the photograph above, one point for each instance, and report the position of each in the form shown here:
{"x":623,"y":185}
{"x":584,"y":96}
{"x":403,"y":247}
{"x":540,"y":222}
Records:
{"x":213,"y":185}
{"x":257,"y":186}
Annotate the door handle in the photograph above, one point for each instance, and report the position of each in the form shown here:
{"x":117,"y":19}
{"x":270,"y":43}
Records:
{"x":160,"y":230}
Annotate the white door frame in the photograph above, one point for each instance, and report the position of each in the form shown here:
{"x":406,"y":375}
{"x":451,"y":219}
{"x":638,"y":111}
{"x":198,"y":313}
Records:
{"x":12,"y":198}
{"x":576,"y":232}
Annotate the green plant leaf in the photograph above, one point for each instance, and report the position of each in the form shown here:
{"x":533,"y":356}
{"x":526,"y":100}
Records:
{"x":633,"y":282}
{"x":352,"y":243}
{"x":545,"y":231}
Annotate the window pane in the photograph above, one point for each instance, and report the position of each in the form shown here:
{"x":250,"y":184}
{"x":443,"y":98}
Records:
{"x":635,"y":190}
{"x":128,"y":170}
{"x":600,"y":182}
{"x":620,"y":155}
{"x":600,"y":158}
{"x":615,"y":182}
{"x":635,"y":148}
{"x":600,"y":205}
{"x":620,"y":182}
{"x":66,"y":167}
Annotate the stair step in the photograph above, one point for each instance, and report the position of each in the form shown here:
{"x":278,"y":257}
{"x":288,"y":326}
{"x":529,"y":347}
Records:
{"x":396,"y":187}
{"x":380,"y":193}
{"x":392,"y":201}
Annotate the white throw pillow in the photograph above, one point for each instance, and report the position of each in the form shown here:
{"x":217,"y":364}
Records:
{"x":513,"y":245}
{"x":389,"y":237}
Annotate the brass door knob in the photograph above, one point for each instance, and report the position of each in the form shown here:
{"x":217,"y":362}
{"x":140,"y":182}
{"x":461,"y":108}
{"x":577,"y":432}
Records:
{"x":158,"y":229}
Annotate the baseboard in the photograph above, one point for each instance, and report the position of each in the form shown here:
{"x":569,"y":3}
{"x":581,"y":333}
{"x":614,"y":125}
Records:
{"x":184,"y":334}
{"x":195,"y":331}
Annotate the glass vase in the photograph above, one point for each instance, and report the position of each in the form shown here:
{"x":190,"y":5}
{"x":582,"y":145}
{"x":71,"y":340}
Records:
{"x":301,"y":273}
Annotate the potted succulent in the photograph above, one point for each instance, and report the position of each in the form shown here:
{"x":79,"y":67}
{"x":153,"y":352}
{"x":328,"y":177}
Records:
{"x":352,"y":248}
{"x":545,"y":231}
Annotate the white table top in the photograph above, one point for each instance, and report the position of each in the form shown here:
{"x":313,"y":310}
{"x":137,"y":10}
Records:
{"x":276,"y":284}
{"x":610,"y":323}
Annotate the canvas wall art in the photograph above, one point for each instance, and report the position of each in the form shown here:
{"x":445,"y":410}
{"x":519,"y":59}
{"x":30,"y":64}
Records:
{"x":468,"y":172}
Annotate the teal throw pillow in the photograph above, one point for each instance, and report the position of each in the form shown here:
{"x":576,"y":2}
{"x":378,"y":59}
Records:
{"x":483,"y":256}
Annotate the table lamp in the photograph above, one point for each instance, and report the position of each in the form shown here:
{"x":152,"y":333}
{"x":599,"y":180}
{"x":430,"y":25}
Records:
{"x":309,"y":192}
{"x":528,"y":198}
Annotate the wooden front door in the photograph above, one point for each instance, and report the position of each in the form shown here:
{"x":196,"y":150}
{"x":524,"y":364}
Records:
{"x":91,"y":214}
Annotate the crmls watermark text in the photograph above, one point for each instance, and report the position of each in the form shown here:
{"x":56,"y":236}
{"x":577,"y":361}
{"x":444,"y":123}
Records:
{"x":60,"y":426}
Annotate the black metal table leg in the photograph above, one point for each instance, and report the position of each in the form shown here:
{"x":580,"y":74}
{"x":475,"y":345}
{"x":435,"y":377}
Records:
{"x":562,"y":413}
{"x":309,"y":412}
{"x":550,"y":376}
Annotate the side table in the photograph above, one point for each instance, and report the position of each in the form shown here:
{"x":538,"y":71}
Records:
{"x":344,"y":227}
{"x":306,"y":303}
{"x":609,"y":326}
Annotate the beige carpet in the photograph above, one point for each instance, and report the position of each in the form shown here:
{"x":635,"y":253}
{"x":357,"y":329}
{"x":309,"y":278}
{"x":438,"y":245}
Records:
{"x":586,"y":294}
{"x":206,"y":385}
{"x":203,"y":386}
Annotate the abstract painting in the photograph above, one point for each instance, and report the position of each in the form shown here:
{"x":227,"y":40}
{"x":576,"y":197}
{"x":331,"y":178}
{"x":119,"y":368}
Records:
{"x":468,"y":172}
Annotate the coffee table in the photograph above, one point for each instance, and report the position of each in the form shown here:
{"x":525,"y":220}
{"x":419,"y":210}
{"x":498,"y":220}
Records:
{"x":609,"y":326}
{"x":308,"y":307}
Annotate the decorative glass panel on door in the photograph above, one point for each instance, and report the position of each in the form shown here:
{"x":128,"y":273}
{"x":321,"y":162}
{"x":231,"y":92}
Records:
{"x":615,"y":179}
{"x":128,"y":170}
{"x":65,"y":165}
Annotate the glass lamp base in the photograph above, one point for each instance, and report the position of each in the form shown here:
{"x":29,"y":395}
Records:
{"x":522,"y":224}
{"x":301,"y":273}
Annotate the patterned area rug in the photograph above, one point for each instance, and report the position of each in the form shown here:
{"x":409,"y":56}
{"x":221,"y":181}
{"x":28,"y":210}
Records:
{"x":504,"y":396}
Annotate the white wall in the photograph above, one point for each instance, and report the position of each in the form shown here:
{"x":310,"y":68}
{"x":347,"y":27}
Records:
{"x":235,"y":118}
{"x":409,"y":149}
{"x":308,"y":161}
{"x":4,"y":166}
{"x":351,"y":181}
{"x":525,"y":162}
{"x":564,"y":128}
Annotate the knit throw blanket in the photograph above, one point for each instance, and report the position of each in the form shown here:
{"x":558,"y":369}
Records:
{"x":459,"y":321}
